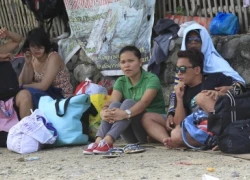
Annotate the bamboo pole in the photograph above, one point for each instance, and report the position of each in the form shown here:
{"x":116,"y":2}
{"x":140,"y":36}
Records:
{"x":181,"y":3}
{"x":175,"y":6}
{"x":200,"y":10}
{"x":210,"y":9}
{"x":170,"y":6}
{"x":187,"y":8}
{"x":15,"y":17}
{"x":21,"y":17}
{"x":192,"y":5}
{"x":245,"y":18}
{"x":227,"y":9}
{"x":2,"y":22}
{"x":5,"y":18}
{"x":216,"y":7}
{"x":221,"y":6}
{"x":238,"y":9}
{"x":232,"y":9}
{"x":164,"y":9}
{"x":205,"y":7}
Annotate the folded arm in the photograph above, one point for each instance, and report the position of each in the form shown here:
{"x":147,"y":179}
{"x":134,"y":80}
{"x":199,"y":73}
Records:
{"x":13,"y":43}
{"x":50,"y":73}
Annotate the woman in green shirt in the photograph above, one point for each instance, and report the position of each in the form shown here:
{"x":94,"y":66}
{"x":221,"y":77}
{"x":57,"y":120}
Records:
{"x":134,"y":94}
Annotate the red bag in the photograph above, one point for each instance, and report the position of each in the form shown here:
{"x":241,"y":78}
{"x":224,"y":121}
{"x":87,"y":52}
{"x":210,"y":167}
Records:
{"x":108,"y":83}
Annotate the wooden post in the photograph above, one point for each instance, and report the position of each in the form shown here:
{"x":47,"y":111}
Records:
{"x":216,"y":7}
{"x":205,"y":7}
{"x":175,"y":7}
{"x":187,"y":7}
{"x":232,"y":7}
{"x":200,"y":10}
{"x":245,"y":18}
{"x":210,"y":9}
{"x":164,"y":8}
{"x":227,"y":9}
{"x":170,"y":6}
{"x":221,"y":6}
{"x":238,"y":9}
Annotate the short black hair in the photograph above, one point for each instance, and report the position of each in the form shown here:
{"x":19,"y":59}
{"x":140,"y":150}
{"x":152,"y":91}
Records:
{"x":39,"y":37}
{"x":133,"y":49}
{"x":194,"y":56}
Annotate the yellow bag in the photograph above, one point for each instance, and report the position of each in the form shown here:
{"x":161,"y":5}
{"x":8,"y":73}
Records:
{"x":98,"y":100}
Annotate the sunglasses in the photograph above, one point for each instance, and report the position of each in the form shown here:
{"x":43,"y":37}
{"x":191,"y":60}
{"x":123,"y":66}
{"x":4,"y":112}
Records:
{"x":182,"y":69}
{"x":196,"y":39}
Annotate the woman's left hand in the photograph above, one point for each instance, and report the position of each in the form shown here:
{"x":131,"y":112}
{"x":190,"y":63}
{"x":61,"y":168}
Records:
{"x":118,"y":114}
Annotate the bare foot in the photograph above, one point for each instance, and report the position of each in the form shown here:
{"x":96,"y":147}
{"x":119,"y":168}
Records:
{"x":167,"y":142}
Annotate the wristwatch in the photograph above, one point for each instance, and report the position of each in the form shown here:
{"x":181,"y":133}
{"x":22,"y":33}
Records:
{"x":128,"y":113}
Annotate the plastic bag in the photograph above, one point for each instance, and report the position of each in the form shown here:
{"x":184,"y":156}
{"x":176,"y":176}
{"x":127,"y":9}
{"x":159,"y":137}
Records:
{"x":224,"y":24}
{"x":87,"y":87}
{"x":31,"y":133}
{"x":98,"y":100}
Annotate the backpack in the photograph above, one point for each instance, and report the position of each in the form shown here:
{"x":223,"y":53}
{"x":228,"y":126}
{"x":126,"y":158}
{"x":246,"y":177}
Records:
{"x":9,"y":87}
{"x":228,"y":109}
{"x":235,"y":138}
{"x":17,"y":64}
{"x":196,"y":126}
{"x":45,"y":9}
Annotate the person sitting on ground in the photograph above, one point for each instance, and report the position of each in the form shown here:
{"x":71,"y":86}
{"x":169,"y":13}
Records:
{"x":196,"y":36}
{"x":133,"y":94}
{"x":44,"y":72}
{"x":189,"y":69}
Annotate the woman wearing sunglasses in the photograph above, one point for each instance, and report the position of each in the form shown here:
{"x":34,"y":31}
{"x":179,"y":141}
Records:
{"x":196,"y":36}
{"x":134,"y":93}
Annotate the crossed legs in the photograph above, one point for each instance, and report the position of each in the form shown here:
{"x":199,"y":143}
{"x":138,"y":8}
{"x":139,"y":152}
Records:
{"x":154,"y":124}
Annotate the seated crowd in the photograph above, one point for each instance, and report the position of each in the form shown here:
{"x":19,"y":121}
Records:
{"x":136,"y":109}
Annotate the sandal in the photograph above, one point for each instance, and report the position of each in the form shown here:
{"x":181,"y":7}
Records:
{"x":133,"y":148}
{"x":114,"y":152}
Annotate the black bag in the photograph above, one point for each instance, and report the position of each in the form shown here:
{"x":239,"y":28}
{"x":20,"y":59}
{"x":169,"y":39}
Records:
{"x":45,"y":9}
{"x":17,"y":64}
{"x":228,"y":108}
{"x":3,"y":138}
{"x":235,"y":138}
{"x":9,"y":85}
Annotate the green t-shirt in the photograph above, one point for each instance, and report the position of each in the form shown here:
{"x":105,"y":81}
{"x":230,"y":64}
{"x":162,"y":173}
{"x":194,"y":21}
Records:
{"x":146,"y":81}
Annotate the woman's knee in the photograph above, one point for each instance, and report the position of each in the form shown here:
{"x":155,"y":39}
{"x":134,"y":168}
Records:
{"x":146,"y":119}
{"x":23,"y":96}
{"x":127,"y":103}
{"x":115,"y":105}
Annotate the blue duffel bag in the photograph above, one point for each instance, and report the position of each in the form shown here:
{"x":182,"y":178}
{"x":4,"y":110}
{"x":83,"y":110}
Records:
{"x":65,"y":115}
